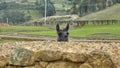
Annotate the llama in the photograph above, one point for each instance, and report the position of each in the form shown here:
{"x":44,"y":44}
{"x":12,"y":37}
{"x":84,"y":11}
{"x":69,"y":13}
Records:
{"x":62,"y":33}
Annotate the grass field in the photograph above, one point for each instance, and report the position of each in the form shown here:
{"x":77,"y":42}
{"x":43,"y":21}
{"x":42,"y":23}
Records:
{"x":18,"y":29}
{"x":88,"y":31}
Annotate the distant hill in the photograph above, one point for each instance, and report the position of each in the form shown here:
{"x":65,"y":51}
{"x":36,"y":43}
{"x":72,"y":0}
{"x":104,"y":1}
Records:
{"x":18,"y":1}
{"x":107,"y":14}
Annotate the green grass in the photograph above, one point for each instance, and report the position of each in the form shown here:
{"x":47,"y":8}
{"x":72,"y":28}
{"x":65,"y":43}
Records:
{"x":17,"y":29}
{"x":87,"y":31}
{"x":42,"y":33}
{"x":109,"y":13}
{"x":23,"y":28}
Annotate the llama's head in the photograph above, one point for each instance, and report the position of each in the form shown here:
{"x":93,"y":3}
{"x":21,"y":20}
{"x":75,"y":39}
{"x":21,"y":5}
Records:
{"x":62,"y":33}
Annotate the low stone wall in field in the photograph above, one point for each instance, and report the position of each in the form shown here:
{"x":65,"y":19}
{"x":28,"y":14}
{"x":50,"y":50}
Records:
{"x":51,"y":54}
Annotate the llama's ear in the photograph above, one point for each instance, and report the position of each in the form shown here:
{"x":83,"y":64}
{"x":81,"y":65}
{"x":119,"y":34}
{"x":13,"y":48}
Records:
{"x":67,"y":27}
{"x":57,"y":27}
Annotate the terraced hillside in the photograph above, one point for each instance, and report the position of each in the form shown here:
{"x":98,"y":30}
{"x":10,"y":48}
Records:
{"x":109,"y":13}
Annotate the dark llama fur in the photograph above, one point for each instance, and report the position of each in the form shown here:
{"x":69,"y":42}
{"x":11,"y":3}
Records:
{"x":62,"y":33}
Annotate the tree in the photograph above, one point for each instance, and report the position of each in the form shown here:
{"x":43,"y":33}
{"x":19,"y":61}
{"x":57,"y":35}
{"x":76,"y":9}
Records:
{"x":3,"y":6}
{"x":40,"y":5}
{"x":23,"y":1}
{"x":8,"y":5}
{"x":109,"y":3}
{"x":15,"y":17}
{"x":83,"y":7}
{"x":116,"y":1}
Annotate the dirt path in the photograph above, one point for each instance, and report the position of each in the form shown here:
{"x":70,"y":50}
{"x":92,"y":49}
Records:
{"x":28,"y":38}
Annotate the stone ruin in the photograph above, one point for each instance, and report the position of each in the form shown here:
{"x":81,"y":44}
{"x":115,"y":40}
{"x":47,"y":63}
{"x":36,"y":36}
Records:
{"x":51,"y":54}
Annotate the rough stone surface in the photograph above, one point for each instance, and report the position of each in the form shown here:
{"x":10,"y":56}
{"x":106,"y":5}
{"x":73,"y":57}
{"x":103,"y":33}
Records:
{"x":85,"y":65}
{"x":100,"y":59}
{"x":3,"y":61}
{"x":74,"y":57}
{"x":22,"y":57}
{"x":68,"y":54}
{"x":48,"y":55}
{"x":37,"y":65}
{"x":43,"y":64}
{"x":117,"y":63}
{"x":61,"y":64}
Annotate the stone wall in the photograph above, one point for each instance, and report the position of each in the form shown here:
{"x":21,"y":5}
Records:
{"x":50,"y":54}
